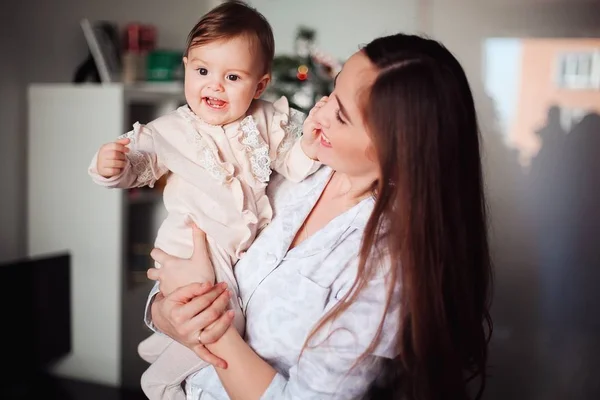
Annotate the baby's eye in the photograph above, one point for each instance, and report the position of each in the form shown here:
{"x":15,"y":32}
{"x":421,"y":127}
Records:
{"x":233,"y":77}
{"x":202,"y":71}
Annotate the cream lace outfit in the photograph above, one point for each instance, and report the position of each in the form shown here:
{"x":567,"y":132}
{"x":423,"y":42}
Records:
{"x":217,"y":178}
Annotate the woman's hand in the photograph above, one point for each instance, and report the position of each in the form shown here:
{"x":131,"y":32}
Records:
{"x":194,"y":315}
{"x":177,"y":272}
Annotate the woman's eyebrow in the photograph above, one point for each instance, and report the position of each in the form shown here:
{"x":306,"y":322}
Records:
{"x":343,"y":109}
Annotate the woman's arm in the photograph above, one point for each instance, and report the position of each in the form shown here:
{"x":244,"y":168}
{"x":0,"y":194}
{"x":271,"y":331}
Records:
{"x":247,"y":376}
{"x":328,"y":367}
{"x":194,"y":315}
{"x":188,"y":316}
{"x":177,"y":316}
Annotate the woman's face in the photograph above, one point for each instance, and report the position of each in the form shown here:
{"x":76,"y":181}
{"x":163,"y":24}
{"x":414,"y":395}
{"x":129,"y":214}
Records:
{"x":345,"y":144}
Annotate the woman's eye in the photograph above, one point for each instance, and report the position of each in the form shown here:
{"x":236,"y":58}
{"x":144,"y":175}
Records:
{"x":338,"y":117}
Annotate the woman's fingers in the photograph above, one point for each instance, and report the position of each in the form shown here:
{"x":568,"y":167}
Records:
{"x":203,"y":315}
{"x":200,"y":313}
{"x":190,"y":292}
{"x":217,"y":329}
{"x":197,"y":306}
{"x":209,"y":357}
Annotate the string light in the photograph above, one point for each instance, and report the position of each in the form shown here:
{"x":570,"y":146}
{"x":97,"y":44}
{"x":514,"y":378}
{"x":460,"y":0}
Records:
{"x":302,"y":72}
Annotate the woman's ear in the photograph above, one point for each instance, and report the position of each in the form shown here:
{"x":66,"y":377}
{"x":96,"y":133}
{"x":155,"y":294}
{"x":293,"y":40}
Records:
{"x":262,"y":85}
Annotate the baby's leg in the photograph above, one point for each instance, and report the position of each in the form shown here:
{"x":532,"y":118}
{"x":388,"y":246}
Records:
{"x":175,"y":238}
{"x":163,"y":379}
{"x":152,"y":347}
{"x":223,"y":266}
{"x":177,"y":243}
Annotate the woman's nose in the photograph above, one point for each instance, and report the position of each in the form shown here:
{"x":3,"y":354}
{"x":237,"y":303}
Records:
{"x":321,"y":116}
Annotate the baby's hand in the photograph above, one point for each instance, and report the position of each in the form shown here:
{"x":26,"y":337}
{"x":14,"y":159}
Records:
{"x":111,"y":158}
{"x":310,"y":130}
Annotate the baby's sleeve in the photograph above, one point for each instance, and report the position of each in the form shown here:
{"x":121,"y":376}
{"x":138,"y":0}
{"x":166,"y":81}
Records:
{"x":284,"y":138}
{"x":143,"y":166}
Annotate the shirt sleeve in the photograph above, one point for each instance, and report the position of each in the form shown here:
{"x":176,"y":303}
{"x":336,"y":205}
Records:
{"x":147,"y":311}
{"x":328,"y":367}
{"x":284,"y":136}
{"x":143,"y":166}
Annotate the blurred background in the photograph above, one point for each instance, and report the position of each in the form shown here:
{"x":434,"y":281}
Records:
{"x":76,"y":73}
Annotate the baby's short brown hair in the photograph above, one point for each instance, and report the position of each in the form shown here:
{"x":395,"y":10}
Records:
{"x":232,"y":19}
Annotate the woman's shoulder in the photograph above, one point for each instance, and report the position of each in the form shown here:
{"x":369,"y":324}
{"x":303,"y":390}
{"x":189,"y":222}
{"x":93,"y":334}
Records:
{"x":283,"y":191}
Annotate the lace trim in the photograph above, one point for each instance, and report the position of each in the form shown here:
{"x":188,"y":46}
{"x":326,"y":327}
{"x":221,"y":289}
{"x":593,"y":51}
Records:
{"x":297,"y":120}
{"x":186,"y":113}
{"x":207,"y":159}
{"x":189,"y":116}
{"x":258,"y":149}
{"x":292,"y":129}
{"x":140,"y":164}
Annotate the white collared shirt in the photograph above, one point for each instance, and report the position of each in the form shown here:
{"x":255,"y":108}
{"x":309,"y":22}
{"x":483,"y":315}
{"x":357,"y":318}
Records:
{"x":285,"y":293}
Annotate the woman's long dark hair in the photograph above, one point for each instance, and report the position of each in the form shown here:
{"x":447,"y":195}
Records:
{"x":431,"y":210}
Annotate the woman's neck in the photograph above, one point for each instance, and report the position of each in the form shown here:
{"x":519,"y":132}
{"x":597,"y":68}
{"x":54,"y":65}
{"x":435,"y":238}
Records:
{"x":350,"y":188}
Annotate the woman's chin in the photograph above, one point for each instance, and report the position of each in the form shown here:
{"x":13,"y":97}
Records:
{"x":324,"y":158}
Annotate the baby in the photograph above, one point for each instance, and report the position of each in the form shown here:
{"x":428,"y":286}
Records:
{"x":218,"y":151}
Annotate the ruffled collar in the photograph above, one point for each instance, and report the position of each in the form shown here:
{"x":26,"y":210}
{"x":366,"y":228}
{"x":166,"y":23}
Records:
{"x":186,"y":112}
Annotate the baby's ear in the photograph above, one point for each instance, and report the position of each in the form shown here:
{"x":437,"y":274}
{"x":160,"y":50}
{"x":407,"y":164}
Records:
{"x":262,"y":85}
{"x":185,"y":60}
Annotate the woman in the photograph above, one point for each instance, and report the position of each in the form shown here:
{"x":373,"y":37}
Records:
{"x":373,"y":278}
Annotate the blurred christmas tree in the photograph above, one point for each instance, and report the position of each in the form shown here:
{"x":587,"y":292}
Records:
{"x":304,"y":77}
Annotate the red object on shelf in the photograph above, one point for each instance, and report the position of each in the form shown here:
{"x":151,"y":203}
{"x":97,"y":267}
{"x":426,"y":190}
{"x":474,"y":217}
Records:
{"x":147,"y":38}
{"x":139,"y":38}
{"x":132,"y":38}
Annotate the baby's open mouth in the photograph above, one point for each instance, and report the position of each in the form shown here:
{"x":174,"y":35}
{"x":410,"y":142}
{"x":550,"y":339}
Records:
{"x":213,"y":102}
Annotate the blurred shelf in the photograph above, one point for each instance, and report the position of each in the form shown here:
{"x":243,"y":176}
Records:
{"x":138,"y":278}
{"x":143,"y":196}
{"x":155,"y":91}
{"x":142,"y":92}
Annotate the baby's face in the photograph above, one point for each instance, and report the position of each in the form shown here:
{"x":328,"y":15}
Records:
{"x":222,"y":78}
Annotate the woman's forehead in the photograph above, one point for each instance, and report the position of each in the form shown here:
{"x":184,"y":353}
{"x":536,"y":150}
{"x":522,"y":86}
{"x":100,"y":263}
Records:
{"x":356,"y":77}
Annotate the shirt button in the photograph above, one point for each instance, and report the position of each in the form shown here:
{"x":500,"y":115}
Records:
{"x":271,"y":259}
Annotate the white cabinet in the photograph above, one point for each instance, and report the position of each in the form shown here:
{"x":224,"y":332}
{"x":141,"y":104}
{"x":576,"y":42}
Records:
{"x":66,"y":211}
